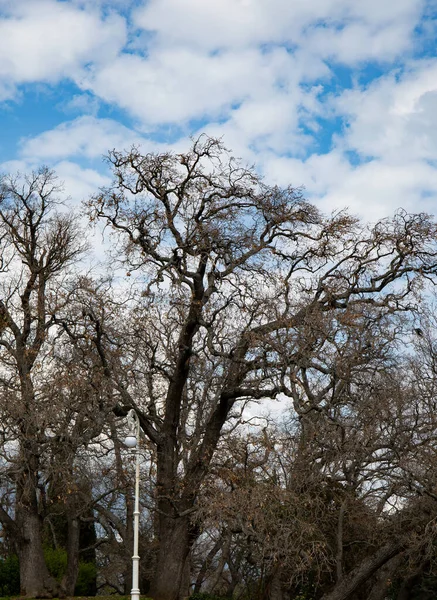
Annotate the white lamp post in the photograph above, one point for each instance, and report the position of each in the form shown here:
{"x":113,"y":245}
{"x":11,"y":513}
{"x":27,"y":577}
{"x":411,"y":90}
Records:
{"x":133,"y":441}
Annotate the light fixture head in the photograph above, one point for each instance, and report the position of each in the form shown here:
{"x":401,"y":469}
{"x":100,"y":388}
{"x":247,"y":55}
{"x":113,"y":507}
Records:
{"x":130,"y":441}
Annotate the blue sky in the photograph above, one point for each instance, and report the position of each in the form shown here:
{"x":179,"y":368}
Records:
{"x":339,"y":96}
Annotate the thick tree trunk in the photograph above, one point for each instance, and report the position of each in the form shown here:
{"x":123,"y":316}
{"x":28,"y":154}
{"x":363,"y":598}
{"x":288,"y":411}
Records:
{"x":184,"y":588}
{"x":234,"y":580}
{"x":35,"y":580}
{"x":339,"y":556}
{"x":173,"y":551}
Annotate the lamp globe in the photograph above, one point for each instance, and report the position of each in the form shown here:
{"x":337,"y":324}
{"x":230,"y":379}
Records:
{"x":130,"y":441}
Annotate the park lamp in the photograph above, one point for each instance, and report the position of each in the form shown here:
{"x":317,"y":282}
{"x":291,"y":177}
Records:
{"x":132,"y":441}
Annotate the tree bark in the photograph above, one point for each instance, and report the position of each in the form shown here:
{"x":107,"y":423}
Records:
{"x":35,"y":580}
{"x":173,"y":551}
{"x":274,"y":591}
{"x":184,"y":591}
{"x":87,"y":546}
{"x":339,"y":556}
{"x":384,"y":577}
{"x":70,"y":577}
{"x":206,"y":565}
{"x":223,"y":560}
{"x":128,"y":542}
{"x":351,"y":582}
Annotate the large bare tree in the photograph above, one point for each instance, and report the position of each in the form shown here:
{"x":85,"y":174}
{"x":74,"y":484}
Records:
{"x":235,"y":279}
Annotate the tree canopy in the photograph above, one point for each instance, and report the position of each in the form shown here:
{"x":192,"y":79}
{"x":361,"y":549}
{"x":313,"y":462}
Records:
{"x":235,"y":294}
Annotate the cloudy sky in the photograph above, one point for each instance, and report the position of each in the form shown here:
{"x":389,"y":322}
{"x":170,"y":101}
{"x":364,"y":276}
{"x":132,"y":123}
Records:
{"x":339,"y":96}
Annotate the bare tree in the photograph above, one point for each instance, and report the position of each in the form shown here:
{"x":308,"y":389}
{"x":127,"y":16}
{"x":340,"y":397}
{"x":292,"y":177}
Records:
{"x":235,"y":281}
{"x":38,"y":245}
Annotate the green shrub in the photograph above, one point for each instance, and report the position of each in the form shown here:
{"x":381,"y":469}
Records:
{"x":9,"y":575}
{"x":86,"y":580}
{"x":56,"y":561}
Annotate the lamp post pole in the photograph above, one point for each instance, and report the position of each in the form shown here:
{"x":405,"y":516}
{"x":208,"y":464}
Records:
{"x":133,"y":441}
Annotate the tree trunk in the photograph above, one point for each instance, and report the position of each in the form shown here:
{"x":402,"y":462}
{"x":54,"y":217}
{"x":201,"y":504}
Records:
{"x":128,"y":543}
{"x":351,"y":582}
{"x":226,"y":549}
{"x":35,"y":580}
{"x":70,"y":577}
{"x":235,"y":578}
{"x":339,"y":556}
{"x":274,"y":588}
{"x":206,"y":565}
{"x":384,"y":577}
{"x":184,"y":588}
{"x":87,"y":547}
{"x":173,"y":551}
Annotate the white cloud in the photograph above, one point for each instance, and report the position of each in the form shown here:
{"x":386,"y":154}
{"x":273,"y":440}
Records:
{"x":81,"y":103}
{"x":320,"y":173}
{"x":15,"y":166}
{"x":394,"y":118}
{"x":392,"y":125}
{"x":240,"y":23}
{"x":85,"y":137}
{"x":376,"y":189}
{"x":232,"y":60}
{"x":358,"y":42}
{"x":79,"y":183}
{"x":175,"y":85}
{"x":371,"y":190}
{"x":48,"y":40}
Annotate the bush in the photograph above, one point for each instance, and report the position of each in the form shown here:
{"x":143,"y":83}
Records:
{"x":86,"y":580}
{"x":9,"y":575}
{"x":56,"y":561}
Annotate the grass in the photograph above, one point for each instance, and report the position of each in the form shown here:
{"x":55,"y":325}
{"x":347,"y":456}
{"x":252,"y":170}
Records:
{"x":113,"y":597}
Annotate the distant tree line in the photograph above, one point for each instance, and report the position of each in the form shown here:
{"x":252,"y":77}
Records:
{"x":223,"y":296}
